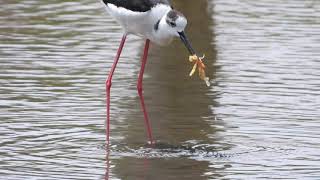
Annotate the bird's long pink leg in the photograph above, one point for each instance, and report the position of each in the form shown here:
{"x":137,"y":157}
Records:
{"x":108,"y":85}
{"x":140,"y":90}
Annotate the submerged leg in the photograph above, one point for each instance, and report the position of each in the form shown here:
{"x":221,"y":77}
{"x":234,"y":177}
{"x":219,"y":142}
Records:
{"x":108,"y":85}
{"x":140,"y":89}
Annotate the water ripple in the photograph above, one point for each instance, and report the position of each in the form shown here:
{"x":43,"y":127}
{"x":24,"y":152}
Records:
{"x":260,"y":119}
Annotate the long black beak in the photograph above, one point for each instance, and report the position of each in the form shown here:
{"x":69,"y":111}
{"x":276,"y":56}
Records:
{"x":186,"y":42}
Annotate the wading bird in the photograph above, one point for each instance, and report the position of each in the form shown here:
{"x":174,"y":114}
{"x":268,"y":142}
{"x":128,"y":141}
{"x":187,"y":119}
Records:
{"x":155,"y":21}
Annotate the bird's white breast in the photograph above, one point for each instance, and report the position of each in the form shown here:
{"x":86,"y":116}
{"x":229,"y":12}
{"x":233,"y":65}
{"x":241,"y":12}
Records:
{"x":139,"y":23}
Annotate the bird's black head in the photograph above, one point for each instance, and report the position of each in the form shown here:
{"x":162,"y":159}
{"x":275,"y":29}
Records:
{"x":177,"y":23}
{"x":172,"y":17}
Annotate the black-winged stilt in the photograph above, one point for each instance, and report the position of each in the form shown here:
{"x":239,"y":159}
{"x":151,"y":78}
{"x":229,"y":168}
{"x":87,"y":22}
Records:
{"x":154,"y":20}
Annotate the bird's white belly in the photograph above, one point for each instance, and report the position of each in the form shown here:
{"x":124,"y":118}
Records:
{"x":132,"y":22}
{"x":139,"y":23}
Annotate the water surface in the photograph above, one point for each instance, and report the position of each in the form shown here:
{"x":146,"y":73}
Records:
{"x":258,"y":120}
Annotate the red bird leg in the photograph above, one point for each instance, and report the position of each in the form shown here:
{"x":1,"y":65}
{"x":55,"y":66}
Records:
{"x":140,"y":90}
{"x":109,"y":83}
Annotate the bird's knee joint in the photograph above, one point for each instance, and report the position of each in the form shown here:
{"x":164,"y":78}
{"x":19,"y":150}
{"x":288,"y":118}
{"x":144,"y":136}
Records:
{"x":108,"y":84}
{"x":139,"y":88}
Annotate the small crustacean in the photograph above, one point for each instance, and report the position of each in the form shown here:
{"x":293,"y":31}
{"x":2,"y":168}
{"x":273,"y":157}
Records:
{"x":198,"y":63}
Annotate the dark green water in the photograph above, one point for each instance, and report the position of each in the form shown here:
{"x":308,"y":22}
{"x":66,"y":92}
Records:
{"x":260,"y":118}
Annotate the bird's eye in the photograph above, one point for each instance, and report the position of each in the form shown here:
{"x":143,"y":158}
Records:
{"x":173,"y":24}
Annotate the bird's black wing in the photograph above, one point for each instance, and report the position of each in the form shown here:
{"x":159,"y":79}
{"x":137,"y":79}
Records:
{"x":136,"y":5}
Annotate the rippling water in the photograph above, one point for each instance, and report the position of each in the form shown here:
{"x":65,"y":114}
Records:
{"x":258,"y":120}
